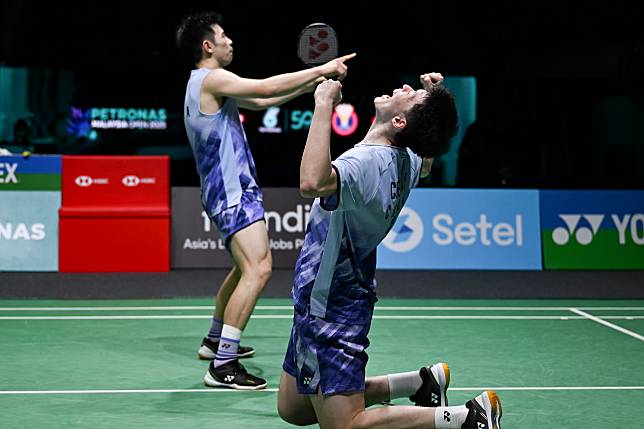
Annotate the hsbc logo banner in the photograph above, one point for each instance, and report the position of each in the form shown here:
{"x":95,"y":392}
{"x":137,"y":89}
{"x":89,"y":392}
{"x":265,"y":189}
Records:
{"x":593,"y":229}
{"x":195,"y":240}
{"x":465,"y":229}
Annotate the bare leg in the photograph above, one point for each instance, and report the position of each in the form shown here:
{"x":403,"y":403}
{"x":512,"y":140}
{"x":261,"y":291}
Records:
{"x":292,"y":407}
{"x":225,"y":291}
{"x":376,"y":390}
{"x":253,"y":257}
{"x":298,"y":410}
{"x":347,"y":411}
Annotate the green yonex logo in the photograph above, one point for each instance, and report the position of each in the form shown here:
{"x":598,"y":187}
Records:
{"x":583,"y":235}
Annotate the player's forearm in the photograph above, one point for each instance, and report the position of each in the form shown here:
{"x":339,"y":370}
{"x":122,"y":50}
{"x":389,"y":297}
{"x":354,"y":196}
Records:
{"x":278,"y":101}
{"x":315,"y":168}
{"x":283,"y":84}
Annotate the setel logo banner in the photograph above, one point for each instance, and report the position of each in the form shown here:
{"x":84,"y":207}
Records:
{"x":465,"y":229}
{"x":592,"y":229}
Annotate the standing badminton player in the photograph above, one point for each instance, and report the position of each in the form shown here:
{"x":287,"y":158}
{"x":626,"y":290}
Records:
{"x":360,"y":195}
{"x":229,"y":188}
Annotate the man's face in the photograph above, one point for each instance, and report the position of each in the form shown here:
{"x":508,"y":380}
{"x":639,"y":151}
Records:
{"x":399,"y":102}
{"x":223,"y":46}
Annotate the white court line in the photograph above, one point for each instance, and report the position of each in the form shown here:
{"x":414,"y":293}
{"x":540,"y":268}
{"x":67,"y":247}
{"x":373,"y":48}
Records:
{"x":290,"y":307}
{"x":288,"y":316}
{"x":608,"y":324}
{"x":463,"y":389}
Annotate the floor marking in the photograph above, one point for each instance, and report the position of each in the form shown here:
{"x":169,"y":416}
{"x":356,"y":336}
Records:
{"x":289,"y":316}
{"x":272,"y":390}
{"x":608,"y":324}
{"x":289,"y":307}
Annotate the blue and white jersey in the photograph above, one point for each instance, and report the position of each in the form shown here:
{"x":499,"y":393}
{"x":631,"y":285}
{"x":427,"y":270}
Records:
{"x":224,"y":162}
{"x":335,"y":270}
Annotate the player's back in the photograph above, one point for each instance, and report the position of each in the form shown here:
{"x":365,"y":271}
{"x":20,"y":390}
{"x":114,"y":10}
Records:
{"x":336,"y":267}
{"x":224,"y":162}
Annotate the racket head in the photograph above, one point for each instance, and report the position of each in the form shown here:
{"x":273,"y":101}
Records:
{"x":317,"y":44}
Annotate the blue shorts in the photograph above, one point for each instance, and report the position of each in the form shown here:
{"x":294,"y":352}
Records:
{"x":233,"y":219}
{"x":326,"y":355}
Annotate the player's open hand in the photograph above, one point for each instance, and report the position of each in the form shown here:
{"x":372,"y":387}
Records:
{"x":431,"y":79}
{"x":328,"y":92}
{"x":336,"y":67}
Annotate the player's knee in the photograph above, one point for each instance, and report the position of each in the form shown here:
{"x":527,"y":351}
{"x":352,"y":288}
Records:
{"x":291,"y":416}
{"x":359,"y":422}
{"x":265,"y":269}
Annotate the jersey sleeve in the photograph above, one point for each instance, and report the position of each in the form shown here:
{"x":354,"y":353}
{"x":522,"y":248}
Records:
{"x":358,"y":177}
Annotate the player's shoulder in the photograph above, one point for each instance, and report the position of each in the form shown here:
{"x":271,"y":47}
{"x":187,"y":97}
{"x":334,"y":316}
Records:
{"x":215,"y":77}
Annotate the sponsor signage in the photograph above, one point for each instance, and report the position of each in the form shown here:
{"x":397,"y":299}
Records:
{"x":29,"y":230}
{"x":29,"y":202}
{"x":465,"y":229}
{"x":33,"y":173}
{"x":592,"y":229}
{"x":196,"y":242}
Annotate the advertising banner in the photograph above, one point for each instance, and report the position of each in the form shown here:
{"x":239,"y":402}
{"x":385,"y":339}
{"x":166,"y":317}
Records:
{"x":465,"y":229}
{"x":196,"y":242}
{"x":29,"y":202}
{"x":593,"y":229}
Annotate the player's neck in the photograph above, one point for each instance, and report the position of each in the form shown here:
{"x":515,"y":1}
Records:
{"x":377,"y":135}
{"x":209,"y":63}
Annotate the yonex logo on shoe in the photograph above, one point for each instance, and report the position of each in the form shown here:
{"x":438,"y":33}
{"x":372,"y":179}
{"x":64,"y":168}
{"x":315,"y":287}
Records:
{"x":446,"y":416}
{"x":583,"y":235}
{"x":307,"y":380}
{"x":229,"y":378}
{"x":434,"y":398}
{"x":481,"y":425}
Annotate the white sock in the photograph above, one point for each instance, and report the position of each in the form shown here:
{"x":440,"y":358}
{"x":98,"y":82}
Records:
{"x":228,"y":345}
{"x":404,"y":384}
{"x":450,"y":417}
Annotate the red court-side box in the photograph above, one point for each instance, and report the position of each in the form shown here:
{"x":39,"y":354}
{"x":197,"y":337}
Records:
{"x":115,"y":214}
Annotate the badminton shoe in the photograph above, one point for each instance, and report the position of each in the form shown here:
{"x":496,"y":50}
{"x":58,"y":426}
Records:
{"x":484,"y":412}
{"x":433,"y":391}
{"x":232,"y":375}
{"x":208,"y":350}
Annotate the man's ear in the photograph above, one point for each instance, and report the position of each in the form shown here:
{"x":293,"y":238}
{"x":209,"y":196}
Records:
{"x":399,"y":122}
{"x":208,"y":46}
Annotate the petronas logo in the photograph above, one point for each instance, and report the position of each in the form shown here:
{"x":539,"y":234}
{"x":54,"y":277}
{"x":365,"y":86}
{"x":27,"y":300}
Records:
{"x":583,"y":234}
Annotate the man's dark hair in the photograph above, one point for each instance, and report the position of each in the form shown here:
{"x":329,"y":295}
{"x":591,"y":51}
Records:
{"x":194,"y":29}
{"x":431,"y":124}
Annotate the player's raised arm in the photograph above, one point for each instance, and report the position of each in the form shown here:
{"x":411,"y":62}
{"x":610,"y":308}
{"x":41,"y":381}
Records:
{"x":317,"y":178}
{"x":221,"y":82}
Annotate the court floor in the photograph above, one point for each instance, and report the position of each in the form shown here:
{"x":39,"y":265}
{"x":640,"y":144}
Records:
{"x":132,"y":363}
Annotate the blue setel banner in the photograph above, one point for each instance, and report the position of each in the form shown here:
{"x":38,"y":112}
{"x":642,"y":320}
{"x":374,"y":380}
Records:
{"x":465,"y":229}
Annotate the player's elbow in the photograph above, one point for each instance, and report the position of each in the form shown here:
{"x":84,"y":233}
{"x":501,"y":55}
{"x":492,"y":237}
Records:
{"x":308,"y":188}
